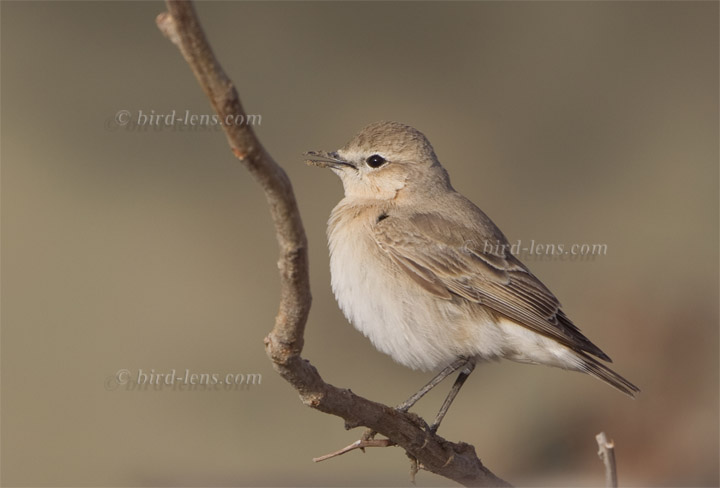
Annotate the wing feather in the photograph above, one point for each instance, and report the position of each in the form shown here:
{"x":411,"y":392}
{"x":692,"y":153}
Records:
{"x":448,"y":258}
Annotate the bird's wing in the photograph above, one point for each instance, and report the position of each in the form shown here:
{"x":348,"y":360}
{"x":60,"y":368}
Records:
{"x":449,"y":258}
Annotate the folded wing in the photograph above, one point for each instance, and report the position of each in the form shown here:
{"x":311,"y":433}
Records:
{"x":451,"y":258}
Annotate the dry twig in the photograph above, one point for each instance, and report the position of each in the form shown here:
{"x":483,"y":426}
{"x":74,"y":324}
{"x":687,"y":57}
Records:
{"x":456,"y":461}
{"x":358,"y":444}
{"x":606,"y":451}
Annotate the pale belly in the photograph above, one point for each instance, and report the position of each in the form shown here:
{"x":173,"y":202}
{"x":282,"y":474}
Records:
{"x":416,"y":328}
{"x":399,"y":317}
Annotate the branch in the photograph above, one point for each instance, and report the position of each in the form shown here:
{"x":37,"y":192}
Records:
{"x":606,"y":451}
{"x":456,"y":461}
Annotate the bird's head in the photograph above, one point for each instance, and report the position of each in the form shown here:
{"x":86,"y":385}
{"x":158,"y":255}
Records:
{"x":384,"y":161}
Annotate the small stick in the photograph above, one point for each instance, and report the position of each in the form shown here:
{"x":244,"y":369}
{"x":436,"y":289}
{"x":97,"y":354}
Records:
{"x":606,"y":451}
{"x":359,"y":444}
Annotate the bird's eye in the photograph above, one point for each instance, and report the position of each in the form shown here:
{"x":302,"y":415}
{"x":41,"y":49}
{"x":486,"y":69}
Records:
{"x":375,"y":161}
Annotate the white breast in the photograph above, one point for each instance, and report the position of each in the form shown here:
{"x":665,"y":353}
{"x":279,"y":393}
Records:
{"x":398,"y":317}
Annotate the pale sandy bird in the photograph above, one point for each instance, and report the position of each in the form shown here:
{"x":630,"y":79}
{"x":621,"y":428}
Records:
{"x":422,"y":272}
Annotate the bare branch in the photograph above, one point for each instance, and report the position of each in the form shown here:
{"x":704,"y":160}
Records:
{"x":456,"y":461}
{"x":606,"y":451}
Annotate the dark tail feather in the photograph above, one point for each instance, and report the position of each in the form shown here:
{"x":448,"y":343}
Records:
{"x":595,"y":368}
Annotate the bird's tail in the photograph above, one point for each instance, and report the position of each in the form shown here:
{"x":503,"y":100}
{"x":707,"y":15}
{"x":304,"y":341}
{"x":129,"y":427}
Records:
{"x":595,"y":368}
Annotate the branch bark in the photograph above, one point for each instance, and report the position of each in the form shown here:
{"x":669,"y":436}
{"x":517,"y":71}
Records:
{"x":456,"y":461}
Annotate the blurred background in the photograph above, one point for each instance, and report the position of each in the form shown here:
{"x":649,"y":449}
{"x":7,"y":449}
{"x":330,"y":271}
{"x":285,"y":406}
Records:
{"x":133,"y":248}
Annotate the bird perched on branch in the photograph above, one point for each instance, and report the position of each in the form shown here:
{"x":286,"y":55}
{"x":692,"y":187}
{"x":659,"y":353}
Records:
{"x":429,"y":278}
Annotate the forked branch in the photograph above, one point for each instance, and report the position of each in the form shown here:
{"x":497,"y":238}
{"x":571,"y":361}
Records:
{"x":456,"y":461}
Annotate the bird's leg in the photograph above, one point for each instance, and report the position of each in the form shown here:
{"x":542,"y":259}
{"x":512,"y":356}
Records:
{"x":469,"y":366}
{"x":459,"y":363}
{"x":369,"y":434}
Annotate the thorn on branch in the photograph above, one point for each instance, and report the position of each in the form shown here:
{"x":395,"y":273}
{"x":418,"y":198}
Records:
{"x":358,"y":444}
{"x":166,"y":24}
{"x":241,"y":155}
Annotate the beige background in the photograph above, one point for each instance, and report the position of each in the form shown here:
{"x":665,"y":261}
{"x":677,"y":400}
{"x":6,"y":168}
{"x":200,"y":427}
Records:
{"x":569,"y":122}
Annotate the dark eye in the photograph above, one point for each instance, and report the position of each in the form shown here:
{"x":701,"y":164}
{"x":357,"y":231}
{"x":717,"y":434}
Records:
{"x":375,"y":161}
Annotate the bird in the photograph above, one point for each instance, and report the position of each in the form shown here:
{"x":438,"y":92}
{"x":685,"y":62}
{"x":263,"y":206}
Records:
{"x":428,"y":277}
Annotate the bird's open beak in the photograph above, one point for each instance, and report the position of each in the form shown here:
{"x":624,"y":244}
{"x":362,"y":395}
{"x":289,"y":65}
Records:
{"x":327,"y":160}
